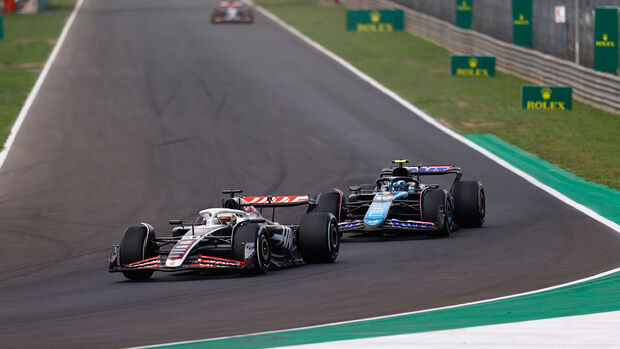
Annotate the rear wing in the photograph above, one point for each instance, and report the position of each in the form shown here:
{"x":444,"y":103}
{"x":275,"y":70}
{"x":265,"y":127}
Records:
{"x":250,"y":203}
{"x":267,"y":201}
{"x":417,"y":171}
{"x":434,"y":170}
{"x":425,"y":170}
{"x":275,"y":201}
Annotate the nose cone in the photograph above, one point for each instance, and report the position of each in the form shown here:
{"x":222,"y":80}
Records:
{"x":376,"y":214}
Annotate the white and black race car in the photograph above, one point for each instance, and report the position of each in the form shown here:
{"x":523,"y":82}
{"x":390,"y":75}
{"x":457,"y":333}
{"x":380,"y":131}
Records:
{"x":232,"y":12}
{"x":236,"y":237}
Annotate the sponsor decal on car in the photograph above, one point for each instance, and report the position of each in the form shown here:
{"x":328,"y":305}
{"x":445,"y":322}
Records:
{"x":347,"y":226}
{"x":423,"y":169}
{"x":284,"y":239}
{"x":179,"y":252}
{"x":113,"y":255}
{"x":249,"y":250}
{"x":152,"y":262}
{"x":275,"y":199}
{"x":216,"y":262}
{"x":409,"y":224}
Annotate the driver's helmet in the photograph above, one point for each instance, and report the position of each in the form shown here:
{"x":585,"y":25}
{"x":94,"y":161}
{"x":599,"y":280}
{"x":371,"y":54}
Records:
{"x":399,"y":185}
{"x":227,"y":218}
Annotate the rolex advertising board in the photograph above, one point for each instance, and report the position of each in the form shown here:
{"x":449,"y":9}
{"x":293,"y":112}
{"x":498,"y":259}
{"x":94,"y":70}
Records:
{"x":472,"y":65}
{"x":464,"y":13}
{"x":606,"y":39}
{"x":375,"y":21}
{"x":522,"y":22}
{"x":547,"y":97}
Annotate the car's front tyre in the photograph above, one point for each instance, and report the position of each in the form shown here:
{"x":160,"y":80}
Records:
{"x":137,"y":243}
{"x":432,"y":201}
{"x":244,"y":237}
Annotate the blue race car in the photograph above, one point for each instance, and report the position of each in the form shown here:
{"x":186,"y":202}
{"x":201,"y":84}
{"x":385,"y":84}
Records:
{"x":399,"y":201}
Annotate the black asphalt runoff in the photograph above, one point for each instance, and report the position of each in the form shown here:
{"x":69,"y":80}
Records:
{"x":150,"y":111}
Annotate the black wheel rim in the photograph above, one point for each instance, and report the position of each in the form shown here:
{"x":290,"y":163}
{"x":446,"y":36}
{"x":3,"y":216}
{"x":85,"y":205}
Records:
{"x":448,"y":208}
{"x":264,"y":252}
{"x":334,"y":239}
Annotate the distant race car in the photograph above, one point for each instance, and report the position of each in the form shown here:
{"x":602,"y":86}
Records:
{"x":236,"y":237}
{"x":399,"y":201}
{"x":232,"y":12}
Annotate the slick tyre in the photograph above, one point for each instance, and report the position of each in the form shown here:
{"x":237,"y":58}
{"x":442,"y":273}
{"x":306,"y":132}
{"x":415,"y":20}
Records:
{"x":251,"y":233}
{"x":469,"y":204}
{"x":432,"y":200}
{"x":137,"y":243}
{"x":319,"y":239}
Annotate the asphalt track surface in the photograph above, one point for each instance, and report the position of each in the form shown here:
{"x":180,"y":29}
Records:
{"x":149,"y":111}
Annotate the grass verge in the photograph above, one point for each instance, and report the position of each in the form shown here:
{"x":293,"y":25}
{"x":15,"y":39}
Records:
{"x":28,"y":41}
{"x":584,"y":141}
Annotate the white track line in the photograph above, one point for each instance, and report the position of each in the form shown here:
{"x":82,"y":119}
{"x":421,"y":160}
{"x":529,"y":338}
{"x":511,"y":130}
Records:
{"x":424,"y":116}
{"x":37,"y":86}
{"x":396,"y":315}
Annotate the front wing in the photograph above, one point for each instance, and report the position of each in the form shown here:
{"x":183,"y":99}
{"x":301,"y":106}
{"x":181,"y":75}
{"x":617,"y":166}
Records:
{"x":223,"y":19}
{"x":158,"y":263}
{"x":388,"y":224}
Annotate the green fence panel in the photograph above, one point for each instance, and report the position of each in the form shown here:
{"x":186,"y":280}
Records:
{"x":522,"y":22}
{"x":464,"y":13}
{"x":606,"y":39}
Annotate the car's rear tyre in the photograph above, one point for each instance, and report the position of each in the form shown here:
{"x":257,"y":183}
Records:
{"x":330,"y":202}
{"x":431,"y":202}
{"x":319,"y":238}
{"x":137,"y":243}
{"x":469,"y":204}
{"x":251,"y":233}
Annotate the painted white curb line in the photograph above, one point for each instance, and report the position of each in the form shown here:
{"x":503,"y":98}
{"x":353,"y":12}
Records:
{"x":598,"y":330}
{"x":37,"y":86}
{"x":396,"y":315}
